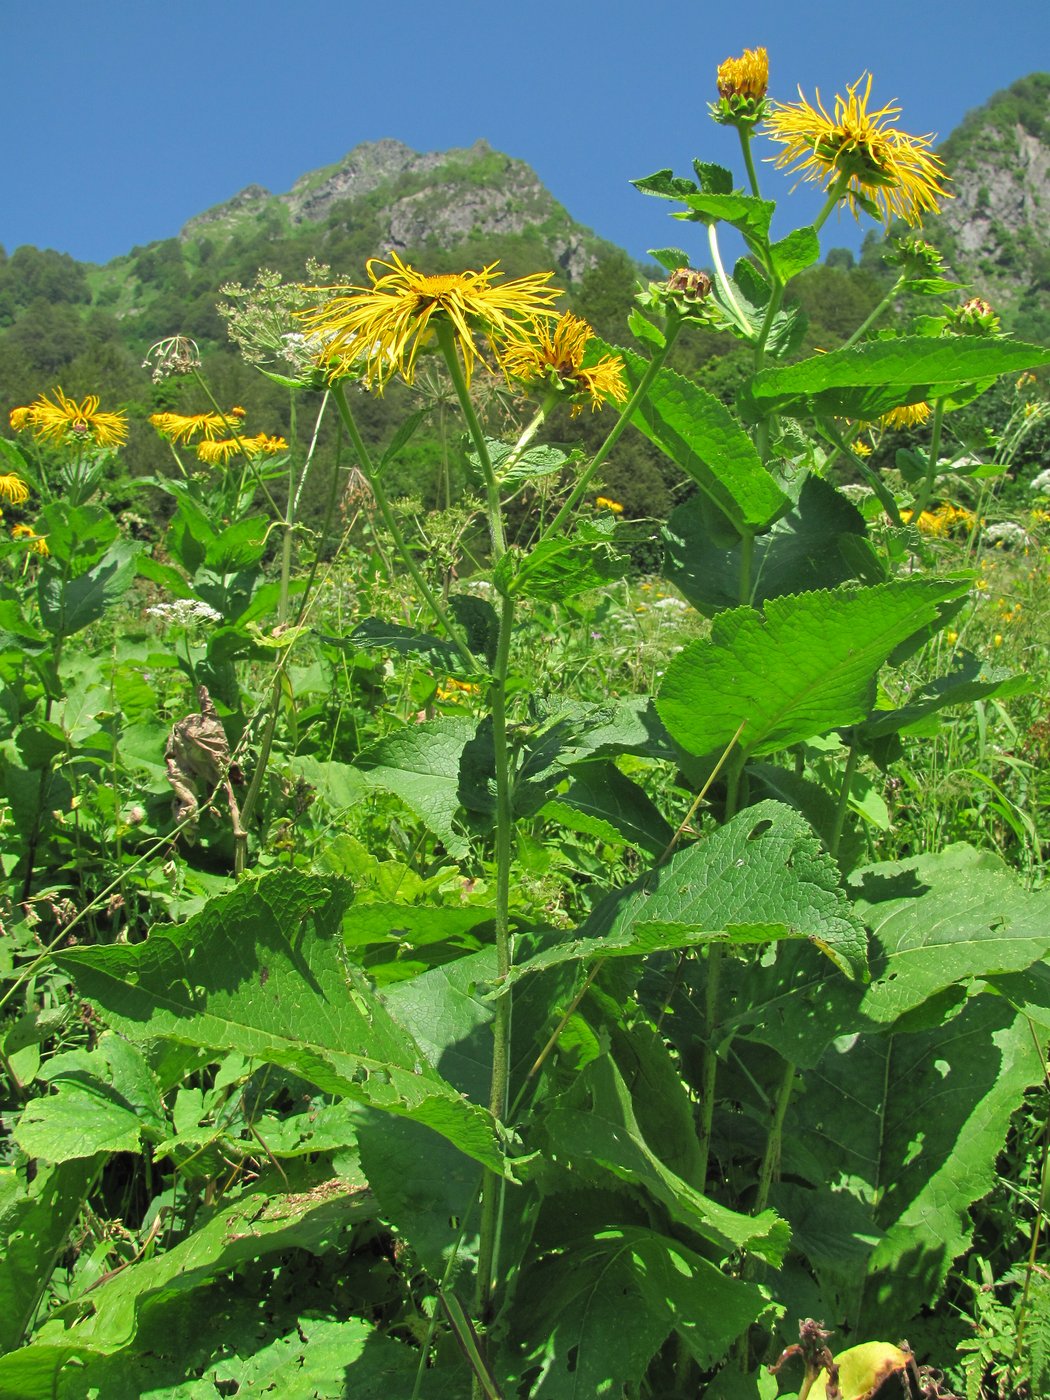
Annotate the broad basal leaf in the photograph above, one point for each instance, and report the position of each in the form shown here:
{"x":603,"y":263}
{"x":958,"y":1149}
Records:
{"x":911,"y":1126}
{"x":69,"y":604}
{"x":803,"y":666}
{"x":605,"y":1304}
{"x":259,"y":971}
{"x":604,"y":802}
{"x":593,"y":1127}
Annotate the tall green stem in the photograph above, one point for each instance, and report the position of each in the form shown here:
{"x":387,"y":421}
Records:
{"x":390,"y":521}
{"x":774,"y":1140}
{"x":842,"y":806}
{"x":874,"y":315}
{"x":744,"y":132}
{"x":579,"y":491}
{"x":932,"y":458}
{"x":709,"y":1061}
{"x":499,"y":1084}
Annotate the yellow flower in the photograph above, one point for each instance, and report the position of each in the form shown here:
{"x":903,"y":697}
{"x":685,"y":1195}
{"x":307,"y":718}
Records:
{"x":37,"y":543}
{"x":453,"y":689}
{"x":861,"y":154}
{"x":54,"y":422}
{"x":219,"y":453}
{"x":746,"y":76}
{"x":604,"y":503}
{"x":386,"y":325}
{"x":951,"y":638}
{"x":911,"y":415}
{"x":860,"y":447}
{"x":998,"y":639}
{"x":19,"y":417}
{"x":182,"y":428}
{"x":13,"y":489}
{"x":557,"y":353}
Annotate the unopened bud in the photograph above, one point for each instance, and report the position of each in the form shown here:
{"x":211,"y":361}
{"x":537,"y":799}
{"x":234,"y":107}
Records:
{"x":689,"y":283}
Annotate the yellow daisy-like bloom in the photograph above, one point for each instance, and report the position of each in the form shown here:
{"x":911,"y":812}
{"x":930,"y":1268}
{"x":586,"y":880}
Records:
{"x":384,"y":326}
{"x":746,"y":76}
{"x":912,"y":415}
{"x":19,"y":417}
{"x":219,"y":453}
{"x":183,"y":428}
{"x":37,"y":543}
{"x":861,"y":153}
{"x":556,"y":353}
{"x":604,"y":503}
{"x":55,"y":422}
{"x":13,"y":489}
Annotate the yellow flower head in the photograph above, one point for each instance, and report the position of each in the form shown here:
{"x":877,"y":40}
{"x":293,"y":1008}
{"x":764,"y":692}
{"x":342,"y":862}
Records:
{"x":219,"y":453}
{"x":37,"y":543}
{"x":182,"y":428}
{"x":57,"y":422}
{"x":604,"y":503}
{"x":13,"y":489}
{"x":556,"y":353}
{"x":742,"y":85}
{"x":384,"y":326}
{"x":912,"y":415}
{"x":861,"y":154}
{"x":19,"y":417}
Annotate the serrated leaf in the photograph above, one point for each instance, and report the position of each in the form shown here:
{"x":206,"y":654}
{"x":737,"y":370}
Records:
{"x":644,"y":329}
{"x":670,"y":259}
{"x":793,"y":254}
{"x":375,"y":634}
{"x":911,"y":1125}
{"x":420,"y":765}
{"x":67,"y":605}
{"x":759,"y":878}
{"x":943,"y":918}
{"x":105,"y":1100}
{"x":803,"y":666}
{"x":576,"y":1333}
{"x":239,"y":546}
{"x":741,"y":211}
{"x":594,"y":1125}
{"x":603,"y":802}
{"x":701,"y":436}
{"x":801,"y":552}
{"x":259,"y":971}
{"x":871,"y":378}
{"x":562,"y":568}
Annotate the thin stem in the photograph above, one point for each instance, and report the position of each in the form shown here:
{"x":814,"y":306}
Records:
{"x":836,"y":192}
{"x":930,"y":479}
{"x":390,"y":521}
{"x":446,"y":339}
{"x":842,"y":806}
{"x":744,"y":132}
{"x":874,"y":315}
{"x":238,"y":436}
{"x":708,"y":1061}
{"x":724,"y":286}
{"x":771,"y":1158}
{"x":626,"y":413}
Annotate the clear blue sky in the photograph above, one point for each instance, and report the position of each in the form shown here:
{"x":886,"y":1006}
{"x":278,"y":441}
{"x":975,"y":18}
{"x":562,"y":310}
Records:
{"x":124,"y":119}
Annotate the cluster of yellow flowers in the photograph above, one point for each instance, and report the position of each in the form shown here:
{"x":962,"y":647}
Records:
{"x":377,"y":332}
{"x":943,"y":521}
{"x":181,"y":429}
{"x":604,"y":503}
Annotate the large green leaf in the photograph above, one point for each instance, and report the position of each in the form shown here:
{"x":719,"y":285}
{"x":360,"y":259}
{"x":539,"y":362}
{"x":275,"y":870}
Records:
{"x":373,"y":633}
{"x":593,"y":1128}
{"x":814,"y":546}
{"x":972,"y":679}
{"x":259,"y":971}
{"x":262,"y":1221}
{"x":802,"y":667}
{"x":760,"y":878}
{"x":605,"y":1302}
{"x":563,"y":567}
{"x":239,"y":546}
{"x":701,"y":436}
{"x":878,"y":375}
{"x":911,"y":1126}
{"x":68,"y":604}
{"x":604,"y":802}
{"x":944,"y":918}
{"x":35,"y":1218}
{"x":420,"y":765}
{"x":939,"y":921}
